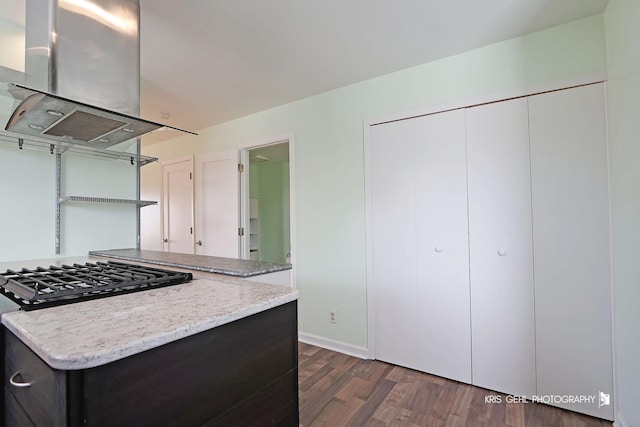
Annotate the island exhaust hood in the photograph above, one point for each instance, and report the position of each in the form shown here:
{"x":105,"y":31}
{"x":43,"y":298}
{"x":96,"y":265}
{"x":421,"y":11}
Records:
{"x":82,"y":76}
{"x":55,"y":118}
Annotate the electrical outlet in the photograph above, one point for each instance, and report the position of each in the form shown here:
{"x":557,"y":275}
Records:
{"x":333,"y":316}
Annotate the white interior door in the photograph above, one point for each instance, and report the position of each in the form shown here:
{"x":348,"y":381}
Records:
{"x":501,"y":248}
{"x":177,"y":201}
{"x":217,"y":204}
{"x":572,"y":246}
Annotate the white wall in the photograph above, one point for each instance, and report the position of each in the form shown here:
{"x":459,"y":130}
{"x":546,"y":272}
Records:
{"x":623,"y":56}
{"x":328,"y":162}
{"x":12,"y":17}
{"x":27,"y":217}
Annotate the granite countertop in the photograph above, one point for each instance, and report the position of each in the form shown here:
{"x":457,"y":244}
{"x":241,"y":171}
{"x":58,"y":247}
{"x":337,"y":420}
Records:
{"x":92,"y":333}
{"x":210,"y":264}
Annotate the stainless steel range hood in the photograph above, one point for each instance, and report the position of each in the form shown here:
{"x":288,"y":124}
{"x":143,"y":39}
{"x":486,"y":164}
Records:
{"x":82,"y":78}
{"x":49,"y":116}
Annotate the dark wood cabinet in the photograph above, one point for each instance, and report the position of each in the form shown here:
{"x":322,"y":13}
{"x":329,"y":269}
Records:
{"x":36,"y":388}
{"x":241,"y":373}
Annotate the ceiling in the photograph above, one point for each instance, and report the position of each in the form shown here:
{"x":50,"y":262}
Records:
{"x":204,"y":62}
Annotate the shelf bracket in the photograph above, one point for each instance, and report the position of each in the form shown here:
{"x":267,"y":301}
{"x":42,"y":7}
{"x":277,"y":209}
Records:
{"x":58,"y":195}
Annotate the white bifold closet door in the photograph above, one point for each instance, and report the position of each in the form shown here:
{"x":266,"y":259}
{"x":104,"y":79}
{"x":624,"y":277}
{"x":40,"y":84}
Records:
{"x":572,"y":246}
{"x":394,"y":244}
{"x":501,"y":251}
{"x":420,"y":244}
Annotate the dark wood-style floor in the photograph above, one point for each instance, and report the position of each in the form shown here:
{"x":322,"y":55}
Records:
{"x":340,"y":390}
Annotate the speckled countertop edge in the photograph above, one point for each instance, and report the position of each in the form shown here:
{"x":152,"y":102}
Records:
{"x":209,"y":264}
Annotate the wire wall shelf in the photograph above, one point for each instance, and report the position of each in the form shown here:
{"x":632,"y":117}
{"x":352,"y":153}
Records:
{"x":85,"y":199}
{"x":56,"y":147}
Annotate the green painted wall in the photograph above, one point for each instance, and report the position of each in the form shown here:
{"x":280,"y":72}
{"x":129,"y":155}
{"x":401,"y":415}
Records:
{"x":623,"y":51}
{"x":273,"y":189}
{"x":328,"y":161}
{"x":269,"y":182}
{"x":254,"y":181}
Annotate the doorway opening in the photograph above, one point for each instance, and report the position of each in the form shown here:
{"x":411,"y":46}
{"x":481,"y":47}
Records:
{"x":266,"y":201}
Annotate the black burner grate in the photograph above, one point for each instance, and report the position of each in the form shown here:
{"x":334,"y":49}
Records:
{"x":46,"y":287}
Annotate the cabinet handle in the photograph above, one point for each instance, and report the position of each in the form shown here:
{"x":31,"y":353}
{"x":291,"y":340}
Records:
{"x":438,"y":249}
{"x":15,"y":383}
{"x":502,"y":252}
{"x":199,"y":243}
{"x":165,"y":240}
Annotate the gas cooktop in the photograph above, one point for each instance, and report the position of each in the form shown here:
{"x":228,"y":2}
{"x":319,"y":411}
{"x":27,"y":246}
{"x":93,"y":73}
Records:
{"x":46,"y":287}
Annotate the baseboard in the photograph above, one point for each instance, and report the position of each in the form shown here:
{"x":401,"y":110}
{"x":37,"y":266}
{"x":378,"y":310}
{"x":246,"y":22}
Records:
{"x":339,"y":346}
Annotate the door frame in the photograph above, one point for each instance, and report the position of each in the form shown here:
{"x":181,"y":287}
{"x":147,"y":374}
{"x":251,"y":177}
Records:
{"x":163,"y":201}
{"x":244,"y":194}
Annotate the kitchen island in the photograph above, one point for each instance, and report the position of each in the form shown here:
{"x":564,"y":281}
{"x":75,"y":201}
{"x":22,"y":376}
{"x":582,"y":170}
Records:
{"x":217,"y":351}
